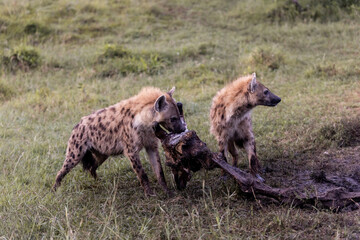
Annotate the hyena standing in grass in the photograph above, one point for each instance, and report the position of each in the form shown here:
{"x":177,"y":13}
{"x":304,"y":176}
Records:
{"x":230,"y":117}
{"x":124,"y":128}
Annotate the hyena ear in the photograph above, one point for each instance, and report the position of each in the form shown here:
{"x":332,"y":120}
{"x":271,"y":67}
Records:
{"x":253,"y":83}
{"x":171,"y":91}
{"x":160,"y":104}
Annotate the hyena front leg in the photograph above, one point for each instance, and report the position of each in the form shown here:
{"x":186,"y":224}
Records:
{"x":254,"y":164}
{"x":223,"y":148}
{"x":140,"y":173}
{"x":223,"y":145}
{"x":155,"y":162}
{"x":233,"y":152}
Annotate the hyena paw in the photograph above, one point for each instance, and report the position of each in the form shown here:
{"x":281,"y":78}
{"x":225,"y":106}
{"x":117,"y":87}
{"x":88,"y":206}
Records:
{"x":170,"y":193}
{"x":55,"y":186}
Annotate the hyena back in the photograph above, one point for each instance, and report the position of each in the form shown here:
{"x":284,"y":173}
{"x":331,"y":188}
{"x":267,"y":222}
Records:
{"x":230,"y":117}
{"x":124,"y":128}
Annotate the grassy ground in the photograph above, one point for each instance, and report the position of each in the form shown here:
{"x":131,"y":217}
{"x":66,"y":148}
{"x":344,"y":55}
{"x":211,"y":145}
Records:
{"x":61,"y":60}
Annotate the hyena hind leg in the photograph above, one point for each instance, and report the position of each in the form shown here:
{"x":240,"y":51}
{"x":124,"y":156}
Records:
{"x":70,"y":162}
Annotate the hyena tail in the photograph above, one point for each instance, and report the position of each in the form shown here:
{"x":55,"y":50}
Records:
{"x":89,"y":163}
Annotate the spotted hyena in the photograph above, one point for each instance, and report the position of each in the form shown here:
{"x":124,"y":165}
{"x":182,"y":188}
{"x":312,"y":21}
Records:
{"x":230,"y":117}
{"x":124,"y":128}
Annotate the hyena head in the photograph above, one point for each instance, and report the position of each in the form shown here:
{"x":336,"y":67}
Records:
{"x":261,"y":95}
{"x":168,"y":114}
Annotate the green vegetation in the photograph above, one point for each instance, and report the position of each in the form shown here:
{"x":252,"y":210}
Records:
{"x":61,"y":60}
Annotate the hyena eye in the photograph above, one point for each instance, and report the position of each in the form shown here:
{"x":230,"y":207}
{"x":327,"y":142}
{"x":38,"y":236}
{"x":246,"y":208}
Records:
{"x":266,"y":92}
{"x":174,"y":119}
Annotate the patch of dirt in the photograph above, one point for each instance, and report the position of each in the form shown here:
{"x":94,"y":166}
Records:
{"x":332,"y":168}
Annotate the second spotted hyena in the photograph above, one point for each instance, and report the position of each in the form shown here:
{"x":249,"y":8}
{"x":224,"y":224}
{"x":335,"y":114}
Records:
{"x":230,"y":117}
{"x":124,"y":128}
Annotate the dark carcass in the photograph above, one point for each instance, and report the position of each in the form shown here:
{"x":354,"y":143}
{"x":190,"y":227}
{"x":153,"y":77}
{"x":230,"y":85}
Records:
{"x":186,"y":153}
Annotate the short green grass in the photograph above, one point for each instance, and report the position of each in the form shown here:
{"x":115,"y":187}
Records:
{"x":61,"y":60}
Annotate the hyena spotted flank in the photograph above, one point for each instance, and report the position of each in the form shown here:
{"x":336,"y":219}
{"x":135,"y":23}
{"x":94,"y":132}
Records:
{"x":124,"y":128}
{"x":230,"y":117}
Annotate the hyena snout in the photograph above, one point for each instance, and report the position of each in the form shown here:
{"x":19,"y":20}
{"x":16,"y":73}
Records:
{"x":178,"y":127}
{"x":275,"y":100}
{"x":271,"y":99}
{"x":176,"y":123}
{"x":183,"y":126}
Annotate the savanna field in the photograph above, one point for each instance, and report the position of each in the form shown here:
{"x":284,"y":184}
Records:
{"x":61,"y":60}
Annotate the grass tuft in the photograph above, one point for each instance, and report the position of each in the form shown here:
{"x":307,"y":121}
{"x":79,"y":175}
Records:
{"x":331,"y":71}
{"x":323,"y":71}
{"x":6,"y":92}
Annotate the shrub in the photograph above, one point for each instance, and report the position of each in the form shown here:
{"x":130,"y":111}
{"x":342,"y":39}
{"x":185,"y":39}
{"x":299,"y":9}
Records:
{"x":265,"y":57}
{"x":321,"y":10}
{"x":23,"y":58}
{"x":35,"y":28}
{"x":159,"y":12}
{"x":114,"y":51}
{"x":150,"y":64}
{"x":322,"y":71}
{"x":198,"y":75}
{"x":194,"y":52}
{"x":117,"y":59}
{"x":206,"y":48}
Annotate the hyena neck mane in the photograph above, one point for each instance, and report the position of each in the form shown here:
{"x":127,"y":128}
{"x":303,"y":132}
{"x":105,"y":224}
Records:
{"x":238,"y":97}
{"x":145,"y":118}
{"x":146,"y":115}
{"x":143,"y":106}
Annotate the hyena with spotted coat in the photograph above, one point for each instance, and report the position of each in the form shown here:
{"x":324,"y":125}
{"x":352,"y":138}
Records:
{"x":124,"y":128}
{"x":230,"y":117}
